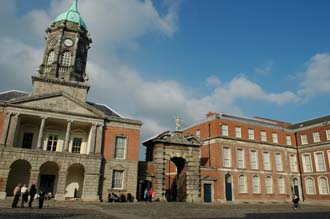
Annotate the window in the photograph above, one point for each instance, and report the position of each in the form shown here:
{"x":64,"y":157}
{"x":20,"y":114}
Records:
{"x":120,"y":147}
{"x":263,"y":136}
{"x":278,"y":161}
{"x":288,"y":140}
{"x":52,"y":143}
{"x":76,"y":145}
{"x":323,"y":185}
{"x":66,"y":59}
{"x":117,"y":179}
{"x":275,"y":137}
{"x":269,"y":185}
{"x":281,"y":185}
{"x":316,"y":137}
{"x":224,"y":129}
{"x":266,"y":158}
{"x":238,"y":132}
{"x":304,"y":139}
{"x":256,"y":184}
{"x":293,"y":163}
{"x":198,"y":133}
{"x":226,"y":157}
{"x":307,"y":163}
{"x":310,"y":189}
{"x":27,"y":140}
{"x":251,"y":134}
{"x":320,"y":165}
{"x":79,"y":64}
{"x":327,"y":133}
{"x":242,"y":184}
{"x":240,"y":158}
{"x":254,"y":159}
{"x":51,"y":58}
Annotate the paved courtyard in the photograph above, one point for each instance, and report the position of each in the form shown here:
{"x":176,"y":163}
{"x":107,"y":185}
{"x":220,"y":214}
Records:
{"x":75,"y":210}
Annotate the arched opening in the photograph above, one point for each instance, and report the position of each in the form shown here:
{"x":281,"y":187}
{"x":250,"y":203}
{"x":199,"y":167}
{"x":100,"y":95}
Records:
{"x":175,"y":179}
{"x":75,"y":181}
{"x":19,"y":173}
{"x":48,"y":177}
{"x":295,"y":187}
{"x":228,"y":187}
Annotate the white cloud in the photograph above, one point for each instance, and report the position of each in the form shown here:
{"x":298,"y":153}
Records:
{"x":213,"y":81}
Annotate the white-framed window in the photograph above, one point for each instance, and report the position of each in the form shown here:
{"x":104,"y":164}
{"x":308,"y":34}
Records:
{"x":263,"y":136}
{"x":281,"y":185}
{"x":52,"y":143}
{"x":307,"y":162}
{"x":319,"y":160}
{"x":226,"y":157}
{"x":51,"y":58}
{"x":310,"y":186}
{"x":269,"y":185}
{"x":120,"y":147}
{"x":224,"y":130}
{"x":327,"y":133}
{"x":256,"y":184}
{"x":251,"y":133}
{"x":278,"y":161}
{"x":288,"y":140}
{"x":242,"y":183}
{"x":240,"y":158}
{"x":266,"y":159}
{"x":275,"y":137}
{"x":76,"y":145}
{"x":254,"y":159}
{"x":304,"y":139}
{"x":117,"y":179}
{"x":323,"y":185}
{"x":198,"y":133}
{"x":293,"y":163}
{"x":316,"y":137}
{"x":66,"y":59}
{"x":238,"y":132}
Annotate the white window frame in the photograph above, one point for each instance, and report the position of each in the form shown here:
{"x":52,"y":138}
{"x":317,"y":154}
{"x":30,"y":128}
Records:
{"x":327,"y":133}
{"x":288,"y":140}
{"x":281,"y":184}
{"x":256,"y":184}
{"x":256,"y":166}
{"x":242,"y":184}
{"x":224,"y":158}
{"x":114,"y":186}
{"x":240,"y":162}
{"x":267,"y":161}
{"x":251,"y":133}
{"x":304,"y":139}
{"x":224,"y":130}
{"x":318,"y":164}
{"x":303,"y":156}
{"x":316,"y":137}
{"x":116,"y":148}
{"x":238,"y":132}
{"x":321,"y":189}
{"x":269,"y":185}
{"x":293,"y":163}
{"x":198,"y":133}
{"x":278,"y":161}
{"x":308,"y":187}
{"x":263,"y":136}
{"x":275,"y":137}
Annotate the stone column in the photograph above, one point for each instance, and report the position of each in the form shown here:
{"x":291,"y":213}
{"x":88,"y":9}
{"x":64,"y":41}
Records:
{"x":12,"y":130}
{"x":91,"y":185}
{"x":5,"y":129}
{"x":41,"y":133}
{"x":193,"y":182}
{"x":67,"y":136}
{"x":92,"y":139}
{"x":3,"y":183}
{"x":159,"y":174}
{"x":61,"y":183}
{"x":99,"y":139}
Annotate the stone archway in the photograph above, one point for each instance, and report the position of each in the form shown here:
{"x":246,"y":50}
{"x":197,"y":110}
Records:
{"x":75,"y":181}
{"x":170,"y":151}
{"x":48,"y":177}
{"x":19,"y":173}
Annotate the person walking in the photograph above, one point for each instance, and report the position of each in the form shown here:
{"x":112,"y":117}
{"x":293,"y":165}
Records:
{"x":41,"y":198}
{"x":33,"y":192}
{"x":25,"y":195}
{"x":295,"y":201}
{"x":17,"y":194}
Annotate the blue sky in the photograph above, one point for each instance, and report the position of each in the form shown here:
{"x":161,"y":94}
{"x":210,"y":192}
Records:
{"x":162,"y":58}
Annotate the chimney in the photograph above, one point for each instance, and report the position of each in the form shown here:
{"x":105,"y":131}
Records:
{"x":211,"y":114}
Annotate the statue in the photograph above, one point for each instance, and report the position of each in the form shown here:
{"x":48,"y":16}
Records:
{"x":178,"y":122}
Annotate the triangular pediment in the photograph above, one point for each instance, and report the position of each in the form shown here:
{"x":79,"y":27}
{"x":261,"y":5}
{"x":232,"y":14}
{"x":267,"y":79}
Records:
{"x":57,"y":102}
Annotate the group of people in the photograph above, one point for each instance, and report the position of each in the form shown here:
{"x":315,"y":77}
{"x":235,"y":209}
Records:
{"x":149,"y":194}
{"x":23,"y":193}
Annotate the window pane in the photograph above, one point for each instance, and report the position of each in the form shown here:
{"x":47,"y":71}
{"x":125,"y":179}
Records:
{"x":120,"y":147}
{"x":251,"y":134}
{"x":310,"y":186}
{"x":240,"y":158}
{"x":307,"y":163}
{"x":269,"y":185}
{"x":254,"y":160}
{"x":281,"y":185}
{"x":316,"y":136}
{"x":304,"y":139}
{"x":27,"y":140}
{"x":242,"y":184}
{"x":51,"y":57}
{"x":320,"y":161}
{"x":256,"y":183}
{"x":323,"y":185}
{"x":293,"y":163}
{"x":274,"y":135}
{"x":263,"y":136}
{"x":117,"y":179}
{"x":238,"y":133}
{"x":278,"y":160}
{"x":224,"y":129}
{"x":226,"y":157}
{"x":76,"y":145}
{"x":288,"y":140}
{"x":266,"y":158}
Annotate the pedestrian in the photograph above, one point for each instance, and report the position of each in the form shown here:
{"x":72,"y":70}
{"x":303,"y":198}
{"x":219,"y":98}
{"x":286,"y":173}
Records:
{"x":145,"y":195}
{"x":41,"y":198}
{"x":25,"y":195}
{"x":17,"y":194}
{"x":151,"y":193}
{"x":295,"y":201}
{"x":33,"y":192}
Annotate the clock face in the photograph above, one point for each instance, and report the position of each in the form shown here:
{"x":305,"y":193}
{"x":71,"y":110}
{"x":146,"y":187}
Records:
{"x":68,"y":42}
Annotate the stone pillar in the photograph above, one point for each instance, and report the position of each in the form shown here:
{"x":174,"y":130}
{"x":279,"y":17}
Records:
{"x":159,"y":174}
{"x":41,"y":133}
{"x":5,"y":129}
{"x":193,"y":182}
{"x":99,"y":139}
{"x":92,"y":140}
{"x":67,"y":136}
{"x":61,"y":183}
{"x":3,"y":183}
{"x":91,"y":185}
{"x":12,"y":130}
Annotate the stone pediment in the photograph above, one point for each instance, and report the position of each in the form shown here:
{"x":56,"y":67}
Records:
{"x":57,"y":102}
{"x":175,"y":137}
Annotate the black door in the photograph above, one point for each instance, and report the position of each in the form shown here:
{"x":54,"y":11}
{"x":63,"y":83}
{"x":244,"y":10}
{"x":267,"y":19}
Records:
{"x":228,"y":188}
{"x":47,"y":183}
{"x":207,"y":193}
{"x":295,"y":187}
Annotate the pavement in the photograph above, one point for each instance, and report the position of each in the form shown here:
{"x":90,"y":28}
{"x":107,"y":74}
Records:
{"x":142,"y":210}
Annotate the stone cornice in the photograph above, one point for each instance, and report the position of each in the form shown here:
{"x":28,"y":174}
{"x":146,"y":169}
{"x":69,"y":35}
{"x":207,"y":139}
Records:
{"x":123,"y":120}
{"x":60,"y":82}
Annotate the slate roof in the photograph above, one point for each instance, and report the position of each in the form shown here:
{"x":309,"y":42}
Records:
{"x":105,"y":109}
{"x":12,"y":94}
{"x":303,"y":124}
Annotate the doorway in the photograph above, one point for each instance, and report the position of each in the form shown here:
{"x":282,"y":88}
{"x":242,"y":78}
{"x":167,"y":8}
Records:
{"x":207,"y":192}
{"x":228,"y":187}
{"x":47,"y":183}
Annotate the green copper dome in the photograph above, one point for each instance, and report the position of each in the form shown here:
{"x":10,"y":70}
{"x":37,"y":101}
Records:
{"x":73,"y":15}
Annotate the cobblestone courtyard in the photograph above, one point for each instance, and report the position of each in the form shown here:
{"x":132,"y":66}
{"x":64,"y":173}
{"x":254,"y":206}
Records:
{"x":74,"y":210}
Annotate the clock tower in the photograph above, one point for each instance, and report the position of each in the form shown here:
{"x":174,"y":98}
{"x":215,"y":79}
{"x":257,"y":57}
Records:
{"x":63,"y":66}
